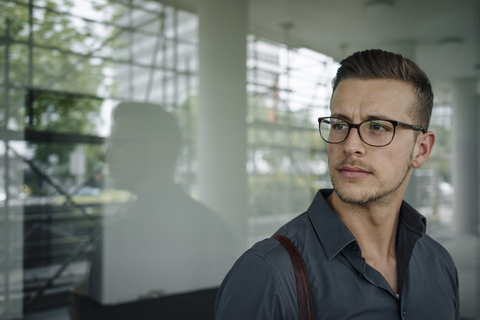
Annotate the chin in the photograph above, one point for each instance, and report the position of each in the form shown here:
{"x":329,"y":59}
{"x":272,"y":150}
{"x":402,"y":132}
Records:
{"x":355,"y":194}
{"x":352,"y":196}
{"x":354,"y":199}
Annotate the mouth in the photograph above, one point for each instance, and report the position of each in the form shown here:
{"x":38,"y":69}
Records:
{"x":353,"y":172}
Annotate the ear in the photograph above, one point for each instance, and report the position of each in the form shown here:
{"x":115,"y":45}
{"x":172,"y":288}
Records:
{"x":423,"y":148}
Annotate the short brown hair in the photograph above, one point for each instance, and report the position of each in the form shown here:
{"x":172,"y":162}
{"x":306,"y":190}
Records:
{"x":379,"y":64}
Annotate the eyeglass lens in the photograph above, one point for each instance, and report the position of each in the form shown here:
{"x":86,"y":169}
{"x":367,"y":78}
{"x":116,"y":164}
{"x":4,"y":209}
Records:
{"x":372,"y":132}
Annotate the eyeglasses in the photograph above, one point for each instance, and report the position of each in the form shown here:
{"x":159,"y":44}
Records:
{"x":375,"y":133}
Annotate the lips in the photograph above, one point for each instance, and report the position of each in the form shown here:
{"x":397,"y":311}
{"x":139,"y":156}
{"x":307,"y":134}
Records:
{"x":353,"y":172}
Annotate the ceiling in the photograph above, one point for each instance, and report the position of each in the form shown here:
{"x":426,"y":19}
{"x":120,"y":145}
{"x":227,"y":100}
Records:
{"x":442,"y":36}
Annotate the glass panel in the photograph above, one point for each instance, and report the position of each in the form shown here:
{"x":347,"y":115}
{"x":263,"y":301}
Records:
{"x":66,"y":65}
{"x":288,"y":89}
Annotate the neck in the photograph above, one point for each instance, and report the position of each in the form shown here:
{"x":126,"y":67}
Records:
{"x":373,"y":225}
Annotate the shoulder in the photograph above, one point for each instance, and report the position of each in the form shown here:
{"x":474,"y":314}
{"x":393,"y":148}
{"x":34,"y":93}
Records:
{"x":256,"y":287}
{"x":432,"y":280}
{"x":431,"y":260}
{"x":261,"y":283}
{"x":295,"y":228}
{"x":270,"y":250}
{"x":267,"y":260}
{"x":267,"y":256}
{"x":433,"y":251}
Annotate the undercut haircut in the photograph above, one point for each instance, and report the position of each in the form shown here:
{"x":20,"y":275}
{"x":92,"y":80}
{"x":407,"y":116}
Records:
{"x":379,"y":64}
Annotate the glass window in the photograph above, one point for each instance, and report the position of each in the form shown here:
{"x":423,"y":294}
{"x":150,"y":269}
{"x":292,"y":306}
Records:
{"x":65,"y":66}
{"x":288,"y":89}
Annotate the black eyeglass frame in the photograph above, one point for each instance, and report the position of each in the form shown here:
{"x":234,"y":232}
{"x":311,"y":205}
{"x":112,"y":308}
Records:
{"x":357,"y":126}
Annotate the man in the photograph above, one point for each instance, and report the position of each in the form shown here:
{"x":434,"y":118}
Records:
{"x":365,"y":249}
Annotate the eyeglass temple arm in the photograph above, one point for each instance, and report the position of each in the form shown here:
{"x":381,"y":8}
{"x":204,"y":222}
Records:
{"x":411,"y":126}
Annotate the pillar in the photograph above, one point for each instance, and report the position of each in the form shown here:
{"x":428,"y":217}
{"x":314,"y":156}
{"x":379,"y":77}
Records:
{"x":11,"y":209}
{"x":222,"y":131}
{"x":465,"y":156}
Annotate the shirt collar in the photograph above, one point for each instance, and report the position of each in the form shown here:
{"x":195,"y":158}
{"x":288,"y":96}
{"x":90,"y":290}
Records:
{"x":334,"y":235}
{"x":412,"y":219}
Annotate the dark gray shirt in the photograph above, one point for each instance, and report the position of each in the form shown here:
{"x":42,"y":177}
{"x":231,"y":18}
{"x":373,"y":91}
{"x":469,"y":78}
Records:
{"x":261,"y":284}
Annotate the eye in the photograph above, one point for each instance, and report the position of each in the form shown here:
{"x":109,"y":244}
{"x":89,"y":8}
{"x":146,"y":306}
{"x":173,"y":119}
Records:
{"x":339,"y":126}
{"x":377,"y":125}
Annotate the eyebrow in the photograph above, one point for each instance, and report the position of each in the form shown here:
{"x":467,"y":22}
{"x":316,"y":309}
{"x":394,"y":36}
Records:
{"x":369,"y":117}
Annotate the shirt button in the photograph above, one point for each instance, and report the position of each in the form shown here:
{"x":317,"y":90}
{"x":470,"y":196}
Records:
{"x":355,"y":248}
{"x":360,"y":275}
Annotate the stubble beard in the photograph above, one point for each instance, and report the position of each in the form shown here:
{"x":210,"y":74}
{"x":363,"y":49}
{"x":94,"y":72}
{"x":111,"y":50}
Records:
{"x":375,"y":195}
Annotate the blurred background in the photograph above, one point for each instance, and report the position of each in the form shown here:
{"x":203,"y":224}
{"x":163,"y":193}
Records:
{"x":147,"y":144}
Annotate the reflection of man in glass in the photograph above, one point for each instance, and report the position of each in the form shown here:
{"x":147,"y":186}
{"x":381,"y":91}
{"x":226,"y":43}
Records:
{"x":166,"y":242}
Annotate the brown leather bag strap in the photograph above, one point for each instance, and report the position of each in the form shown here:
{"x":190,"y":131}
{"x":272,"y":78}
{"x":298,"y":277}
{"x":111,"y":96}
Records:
{"x":304,"y":291}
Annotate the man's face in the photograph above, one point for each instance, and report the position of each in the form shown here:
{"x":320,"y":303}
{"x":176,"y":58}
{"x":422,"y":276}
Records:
{"x":362,"y":174}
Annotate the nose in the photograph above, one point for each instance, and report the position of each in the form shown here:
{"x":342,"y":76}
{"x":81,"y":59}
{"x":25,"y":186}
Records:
{"x":354,"y":145}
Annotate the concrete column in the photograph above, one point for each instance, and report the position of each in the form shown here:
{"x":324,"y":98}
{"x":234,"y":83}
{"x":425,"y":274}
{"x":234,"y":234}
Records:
{"x":222,"y":136}
{"x":11,"y":210}
{"x":465,"y":156}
